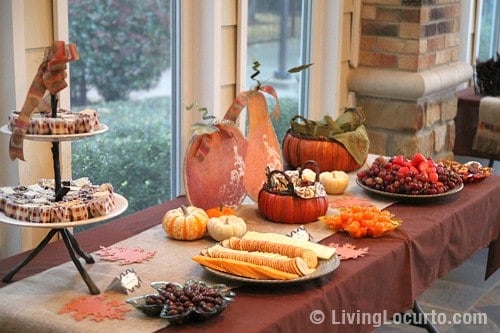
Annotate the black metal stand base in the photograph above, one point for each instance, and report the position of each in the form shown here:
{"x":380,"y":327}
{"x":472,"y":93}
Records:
{"x":427,"y":324}
{"x":73,"y":249}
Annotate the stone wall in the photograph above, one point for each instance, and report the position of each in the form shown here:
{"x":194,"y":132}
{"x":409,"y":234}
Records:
{"x":408,"y":74}
{"x":405,"y":127}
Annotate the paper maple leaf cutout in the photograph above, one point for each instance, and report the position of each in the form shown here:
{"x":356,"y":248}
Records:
{"x":125,"y":255}
{"x":349,"y":251}
{"x":96,"y":308}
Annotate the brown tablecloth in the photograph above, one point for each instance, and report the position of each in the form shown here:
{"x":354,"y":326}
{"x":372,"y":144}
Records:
{"x":434,"y":238}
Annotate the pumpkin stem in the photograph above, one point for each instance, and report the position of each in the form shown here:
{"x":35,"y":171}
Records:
{"x":226,"y":220}
{"x":184,"y":210}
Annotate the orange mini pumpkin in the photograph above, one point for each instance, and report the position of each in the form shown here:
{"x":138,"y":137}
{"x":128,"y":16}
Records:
{"x":185,"y":223}
{"x":220,"y":211}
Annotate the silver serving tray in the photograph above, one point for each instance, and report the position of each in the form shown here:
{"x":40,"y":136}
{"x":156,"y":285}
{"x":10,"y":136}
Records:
{"x":325,"y":267}
{"x":58,"y":137}
{"x":410,"y":197}
{"x":121,"y":205}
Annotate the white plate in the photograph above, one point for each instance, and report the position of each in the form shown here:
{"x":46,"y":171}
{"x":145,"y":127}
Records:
{"x":325,"y":267}
{"x":59,"y":137}
{"x":120,"y":206}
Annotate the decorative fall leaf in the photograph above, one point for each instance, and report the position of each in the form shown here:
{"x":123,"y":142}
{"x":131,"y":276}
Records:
{"x":349,"y":251}
{"x":96,"y":307}
{"x":299,"y":68}
{"x":125,"y":255}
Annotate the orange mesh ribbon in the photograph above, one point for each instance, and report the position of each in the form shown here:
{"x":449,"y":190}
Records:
{"x":50,"y":77}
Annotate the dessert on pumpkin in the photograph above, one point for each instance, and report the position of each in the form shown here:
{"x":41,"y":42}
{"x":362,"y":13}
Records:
{"x":291,"y":197}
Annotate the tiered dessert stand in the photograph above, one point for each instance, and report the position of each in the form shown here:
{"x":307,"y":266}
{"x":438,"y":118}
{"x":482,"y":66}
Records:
{"x":69,"y":239}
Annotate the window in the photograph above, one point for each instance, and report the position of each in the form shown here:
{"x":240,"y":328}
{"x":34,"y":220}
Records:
{"x":489,"y":30}
{"x":124,"y":73}
{"x":278,"y":39}
{"x":202,"y":63}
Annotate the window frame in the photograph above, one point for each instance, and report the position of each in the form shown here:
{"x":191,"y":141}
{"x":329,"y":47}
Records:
{"x":197,"y":60}
{"x":198,"y":18}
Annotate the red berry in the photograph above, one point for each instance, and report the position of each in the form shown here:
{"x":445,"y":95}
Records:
{"x":433,"y":177}
{"x":424,"y":165}
{"x":431,"y":169}
{"x":404,"y":170}
{"x":417,"y":159}
{"x":399,"y":160}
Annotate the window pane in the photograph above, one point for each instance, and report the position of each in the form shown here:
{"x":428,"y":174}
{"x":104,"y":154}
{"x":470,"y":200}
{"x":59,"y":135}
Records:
{"x":489,"y":30}
{"x":275,"y":40}
{"x":124,"y":74}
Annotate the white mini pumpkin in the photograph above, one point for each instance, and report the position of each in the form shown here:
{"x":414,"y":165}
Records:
{"x":334,"y":182}
{"x":226,"y":226}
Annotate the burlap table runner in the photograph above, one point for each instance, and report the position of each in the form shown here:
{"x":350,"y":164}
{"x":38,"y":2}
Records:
{"x":487,"y":138}
{"x":32,"y":304}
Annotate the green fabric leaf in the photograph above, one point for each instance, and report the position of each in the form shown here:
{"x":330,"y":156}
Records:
{"x":348,"y":129}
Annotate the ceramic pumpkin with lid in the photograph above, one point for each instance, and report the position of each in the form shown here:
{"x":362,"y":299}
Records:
{"x":288,"y":197}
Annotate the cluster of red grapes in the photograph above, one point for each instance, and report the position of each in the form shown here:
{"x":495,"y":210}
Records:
{"x":418,"y":176}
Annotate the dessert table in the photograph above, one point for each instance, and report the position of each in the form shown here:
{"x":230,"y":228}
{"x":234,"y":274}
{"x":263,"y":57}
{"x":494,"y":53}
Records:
{"x":434,"y":238}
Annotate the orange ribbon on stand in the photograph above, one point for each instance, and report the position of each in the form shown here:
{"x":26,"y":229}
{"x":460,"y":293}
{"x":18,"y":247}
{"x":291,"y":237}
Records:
{"x":50,"y":77}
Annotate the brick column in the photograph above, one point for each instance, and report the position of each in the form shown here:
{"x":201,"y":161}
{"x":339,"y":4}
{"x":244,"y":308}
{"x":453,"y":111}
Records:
{"x":408,"y":74}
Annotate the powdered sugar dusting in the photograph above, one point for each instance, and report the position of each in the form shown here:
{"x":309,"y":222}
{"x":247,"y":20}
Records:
{"x":234,"y":191}
{"x":273,"y":156}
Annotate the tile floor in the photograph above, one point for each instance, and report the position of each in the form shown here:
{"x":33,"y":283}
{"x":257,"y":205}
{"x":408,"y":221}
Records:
{"x":462,"y":291}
